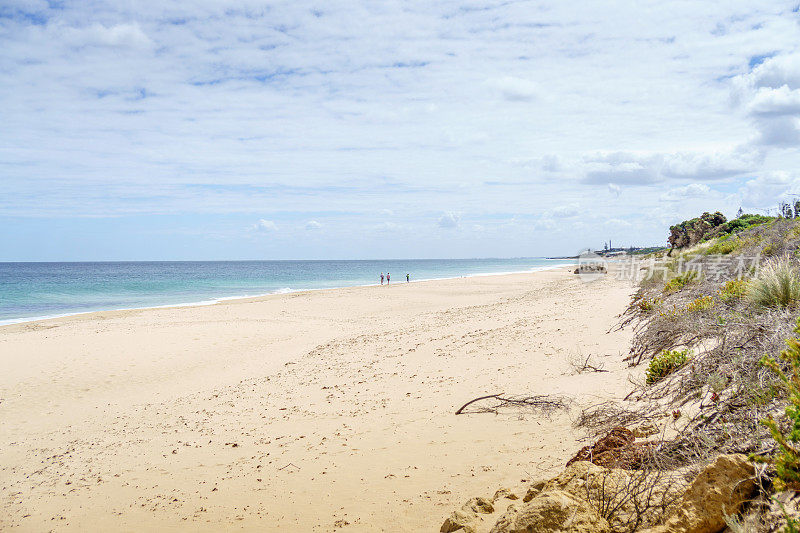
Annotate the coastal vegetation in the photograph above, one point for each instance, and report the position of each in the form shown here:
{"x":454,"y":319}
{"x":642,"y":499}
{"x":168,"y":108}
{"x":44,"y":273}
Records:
{"x":778,"y":285}
{"x":738,"y":304}
{"x":787,"y":436}
{"x":709,"y":439}
{"x":664,"y":363}
{"x":712,"y":226}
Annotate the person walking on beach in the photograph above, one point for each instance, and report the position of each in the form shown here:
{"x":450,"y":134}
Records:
{"x":408,"y":278}
{"x":387,"y":278}
{"x":381,"y":278}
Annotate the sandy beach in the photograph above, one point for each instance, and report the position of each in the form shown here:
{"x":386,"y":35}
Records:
{"x":311,"y":411}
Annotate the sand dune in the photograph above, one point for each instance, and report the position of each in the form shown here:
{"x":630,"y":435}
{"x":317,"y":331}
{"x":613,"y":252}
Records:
{"x":312,"y":411}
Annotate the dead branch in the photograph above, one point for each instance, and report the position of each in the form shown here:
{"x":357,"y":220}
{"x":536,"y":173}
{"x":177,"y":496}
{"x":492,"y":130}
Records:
{"x":584,"y":365}
{"x":542,"y":402}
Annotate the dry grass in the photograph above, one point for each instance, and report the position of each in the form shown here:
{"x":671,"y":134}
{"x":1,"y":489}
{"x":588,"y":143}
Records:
{"x":778,"y":284}
{"x":633,"y":500}
{"x":727,"y":333}
{"x":729,"y":316}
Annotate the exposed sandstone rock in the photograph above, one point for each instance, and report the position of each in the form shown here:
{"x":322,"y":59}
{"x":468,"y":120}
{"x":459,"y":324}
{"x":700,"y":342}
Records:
{"x":534,"y":489}
{"x":582,"y":476}
{"x":636,"y":497}
{"x":719,"y":490}
{"x":504,"y":493}
{"x":461,"y":521}
{"x":478,"y":505}
{"x":550,"y":512}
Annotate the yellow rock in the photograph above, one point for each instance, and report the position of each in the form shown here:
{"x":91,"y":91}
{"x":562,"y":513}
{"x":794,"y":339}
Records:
{"x":460,"y":521}
{"x":550,"y":512}
{"x":478,"y":505}
{"x":504,"y":493}
{"x":719,"y":490}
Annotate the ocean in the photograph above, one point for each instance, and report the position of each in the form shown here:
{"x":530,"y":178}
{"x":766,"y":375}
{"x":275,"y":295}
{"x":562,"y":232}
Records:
{"x":30,"y":291}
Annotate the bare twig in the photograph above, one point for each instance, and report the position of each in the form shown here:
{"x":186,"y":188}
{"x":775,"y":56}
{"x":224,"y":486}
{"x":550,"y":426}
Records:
{"x":544,"y":403}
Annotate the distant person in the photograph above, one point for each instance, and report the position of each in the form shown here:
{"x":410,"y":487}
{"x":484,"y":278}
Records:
{"x":387,"y":278}
{"x":381,"y":278}
{"x":408,"y":278}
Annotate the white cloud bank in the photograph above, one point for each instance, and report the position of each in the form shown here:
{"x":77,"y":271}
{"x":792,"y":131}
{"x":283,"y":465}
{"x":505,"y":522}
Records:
{"x":288,"y":111}
{"x":693,"y":190}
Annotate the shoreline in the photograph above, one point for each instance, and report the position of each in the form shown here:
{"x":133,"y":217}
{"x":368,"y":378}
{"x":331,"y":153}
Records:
{"x":221,"y":299}
{"x":302,"y":411}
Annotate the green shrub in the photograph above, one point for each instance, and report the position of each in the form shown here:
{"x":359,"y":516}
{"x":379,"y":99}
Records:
{"x":665,"y":363}
{"x":771,"y":248}
{"x":679,"y":282}
{"x":739,"y":224}
{"x":787,"y":461}
{"x":648,"y":304}
{"x":733,"y":290}
{"x":700,"y":304}
{"x":777,"y":286}
{"x":690,"y":232}
{"x":723,"y":246}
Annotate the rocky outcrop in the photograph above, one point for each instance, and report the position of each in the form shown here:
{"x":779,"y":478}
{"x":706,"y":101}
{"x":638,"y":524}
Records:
{"x":466,"y":520}
{"x":533,"y":490}
{"x":719,"y":490}
{"x":460,"y":521}
{"x":504,"y":493}
{"x":593,"y":498}
{"x":550,"y":512}
{"x":479,"y":505}
{"x":573,"y":501}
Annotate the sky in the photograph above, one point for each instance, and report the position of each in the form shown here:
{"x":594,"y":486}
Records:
{"x":172,"y":130}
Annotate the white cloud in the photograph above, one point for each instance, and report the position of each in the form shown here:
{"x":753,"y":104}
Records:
{"x":693,"y":190}
{"x":770,"y":95}
{"x":635,"y":168}
{"x":201,"y":111}
{"x":449,"y":220}
{"x":313,"y":225}
{"x":780,"y":101}
{"x":119,"y":35}
{"x":768,"y":189}
{"x":776,"y":71}
{"x":566,"y":211}
{"x":265,"y":226}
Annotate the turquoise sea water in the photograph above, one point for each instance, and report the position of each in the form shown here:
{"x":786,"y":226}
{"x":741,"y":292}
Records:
{"x":37,"y":290}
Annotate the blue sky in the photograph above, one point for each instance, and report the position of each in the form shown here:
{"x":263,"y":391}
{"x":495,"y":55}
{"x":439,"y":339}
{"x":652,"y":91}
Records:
{"x":278,"y":130}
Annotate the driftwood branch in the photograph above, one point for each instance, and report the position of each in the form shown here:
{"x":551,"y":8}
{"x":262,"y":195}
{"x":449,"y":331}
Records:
{"x":461,"y":409}
{"x":582,"y":365}
{"x":537,"y":402}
